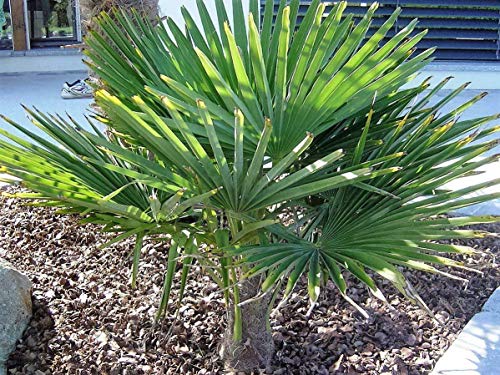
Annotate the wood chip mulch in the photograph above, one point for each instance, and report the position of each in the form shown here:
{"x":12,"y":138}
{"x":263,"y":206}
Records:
{"x":88,"y":320}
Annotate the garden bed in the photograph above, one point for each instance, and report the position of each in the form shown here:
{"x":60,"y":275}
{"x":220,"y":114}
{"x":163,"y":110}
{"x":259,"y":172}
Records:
{"x":87,"y":319}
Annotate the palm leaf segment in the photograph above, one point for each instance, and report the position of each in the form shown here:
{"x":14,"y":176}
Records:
{"x":393,"y":221}
{"x":245,"y":188}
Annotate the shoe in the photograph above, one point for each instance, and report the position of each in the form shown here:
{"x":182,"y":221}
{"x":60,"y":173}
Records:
{"x":76,"y":90}
{"x":67,"y":85}
{"x":89,"y":81}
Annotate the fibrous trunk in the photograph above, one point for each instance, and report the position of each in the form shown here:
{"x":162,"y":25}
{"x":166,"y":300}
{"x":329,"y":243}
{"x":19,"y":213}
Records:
{"x":255,"y":349}
{"x":91,"y":8}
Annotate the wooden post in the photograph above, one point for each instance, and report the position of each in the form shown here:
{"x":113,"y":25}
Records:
{"x":19,"y":26}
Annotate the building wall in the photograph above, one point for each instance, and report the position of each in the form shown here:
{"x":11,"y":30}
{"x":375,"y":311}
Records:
{"x":172,"y":8}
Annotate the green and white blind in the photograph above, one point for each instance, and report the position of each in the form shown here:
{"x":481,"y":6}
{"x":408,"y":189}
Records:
{"x":460,"y":29}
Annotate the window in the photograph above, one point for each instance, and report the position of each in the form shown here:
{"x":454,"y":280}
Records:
{"x":26,"y":24}
{"x":5,"y":25}
{"x":51,"y":22}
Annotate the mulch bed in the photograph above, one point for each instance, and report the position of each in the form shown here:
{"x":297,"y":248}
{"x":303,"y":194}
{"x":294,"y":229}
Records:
{"x":88,"y":320}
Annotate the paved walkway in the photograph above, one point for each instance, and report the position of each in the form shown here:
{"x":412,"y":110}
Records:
{"x":476,"y":351}
{"x":41,"y":90}
{"x":42,"y":60}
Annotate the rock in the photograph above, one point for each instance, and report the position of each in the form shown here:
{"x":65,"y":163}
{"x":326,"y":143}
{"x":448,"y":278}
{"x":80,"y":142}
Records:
{"x":411,"y":340}
{"x":380,"y":336}
{"x":15,"y":309}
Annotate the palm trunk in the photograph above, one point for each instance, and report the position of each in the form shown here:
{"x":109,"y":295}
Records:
{"x":91,"y":8}
{"x":255,"y":349}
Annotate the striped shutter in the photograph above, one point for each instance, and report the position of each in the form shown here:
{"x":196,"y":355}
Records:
{"x":460,"y":29}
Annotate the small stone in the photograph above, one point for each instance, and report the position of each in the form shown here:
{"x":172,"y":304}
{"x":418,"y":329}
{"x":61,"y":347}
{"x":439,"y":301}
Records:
{"x":383,"y":354}
{"x":425,"y":362}
{"x":354,"y":358}
{"x":126,"y":359}
{"x":406,"y":353}
{"x":31,"y":342}
{"x":411,"y":340}
{"x":83,"y":298}
{"x":380,"y":336}
{"x":101,"y":337}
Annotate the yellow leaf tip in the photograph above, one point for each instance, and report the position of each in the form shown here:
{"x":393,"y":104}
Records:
{"x":201,"y":104}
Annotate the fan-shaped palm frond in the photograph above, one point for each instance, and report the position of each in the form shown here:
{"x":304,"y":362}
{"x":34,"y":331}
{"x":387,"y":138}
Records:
{"x":287,"y":76}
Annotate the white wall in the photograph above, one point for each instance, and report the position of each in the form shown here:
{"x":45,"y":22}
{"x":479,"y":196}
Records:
{"x":482,"y":75}
{"x":172,"y":8}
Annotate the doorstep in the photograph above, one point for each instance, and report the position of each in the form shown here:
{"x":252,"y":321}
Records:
{"x":46,"y":60}
{"x":476,"y":351}
{"x":482,"y":75}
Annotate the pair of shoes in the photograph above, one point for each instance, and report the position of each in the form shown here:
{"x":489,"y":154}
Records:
{"x":78,"y":89}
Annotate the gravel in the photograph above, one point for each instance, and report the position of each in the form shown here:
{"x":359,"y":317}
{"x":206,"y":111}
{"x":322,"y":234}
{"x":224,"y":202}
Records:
{"x":88,"y":320}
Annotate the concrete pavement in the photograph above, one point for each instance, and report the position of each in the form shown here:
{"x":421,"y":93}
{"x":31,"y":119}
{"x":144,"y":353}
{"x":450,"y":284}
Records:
{"x":46,"y":63}
{"x":41,"y":90}
{"x":476,"y":351}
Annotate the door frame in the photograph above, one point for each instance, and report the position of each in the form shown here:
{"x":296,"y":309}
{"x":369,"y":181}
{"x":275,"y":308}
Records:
{"x":19,"y":16}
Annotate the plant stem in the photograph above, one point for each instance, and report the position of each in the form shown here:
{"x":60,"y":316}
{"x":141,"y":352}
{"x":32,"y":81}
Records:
{"x":237,"y":325}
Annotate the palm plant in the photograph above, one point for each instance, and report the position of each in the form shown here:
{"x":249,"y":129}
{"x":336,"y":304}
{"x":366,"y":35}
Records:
{"x":210,"y":140}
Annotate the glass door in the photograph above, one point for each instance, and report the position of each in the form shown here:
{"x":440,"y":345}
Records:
{"x":52,"y":22}
{"x":5,"y":25}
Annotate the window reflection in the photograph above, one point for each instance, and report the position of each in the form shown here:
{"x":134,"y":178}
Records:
{"x":5,"y":25}
{"x":51,"y":20}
